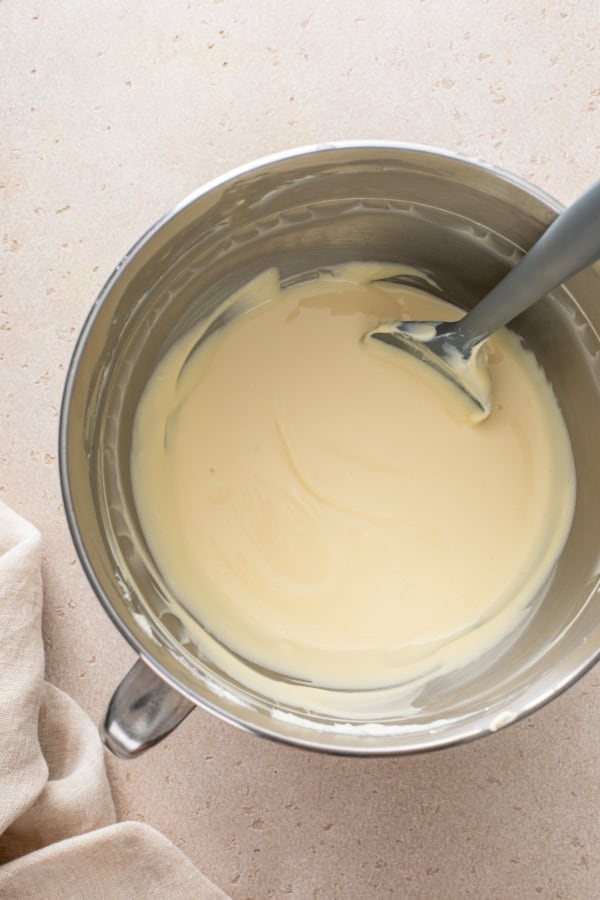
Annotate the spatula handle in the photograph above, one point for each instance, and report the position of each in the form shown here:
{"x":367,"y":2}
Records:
{"x":570,"y":244}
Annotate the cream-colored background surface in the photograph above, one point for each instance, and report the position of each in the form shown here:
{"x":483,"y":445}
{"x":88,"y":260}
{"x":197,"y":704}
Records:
{"x":112,"y":113}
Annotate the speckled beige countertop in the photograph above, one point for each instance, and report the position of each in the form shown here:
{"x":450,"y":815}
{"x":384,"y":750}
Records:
{"x":112,"y":113}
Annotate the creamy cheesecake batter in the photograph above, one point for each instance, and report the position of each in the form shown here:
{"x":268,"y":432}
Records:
{"x":329,"y":512}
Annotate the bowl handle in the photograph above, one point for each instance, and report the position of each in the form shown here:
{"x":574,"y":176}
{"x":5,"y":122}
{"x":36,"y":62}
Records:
{"x":143,"y":710}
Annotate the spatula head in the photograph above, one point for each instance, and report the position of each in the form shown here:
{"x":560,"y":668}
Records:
{"x":431,"y":342}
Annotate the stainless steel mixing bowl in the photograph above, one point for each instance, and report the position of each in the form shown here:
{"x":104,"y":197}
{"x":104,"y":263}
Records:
{"x":464,"y":223}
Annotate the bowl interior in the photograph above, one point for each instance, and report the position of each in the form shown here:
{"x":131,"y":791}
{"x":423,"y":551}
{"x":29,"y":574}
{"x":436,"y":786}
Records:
{"x":462,"y":224}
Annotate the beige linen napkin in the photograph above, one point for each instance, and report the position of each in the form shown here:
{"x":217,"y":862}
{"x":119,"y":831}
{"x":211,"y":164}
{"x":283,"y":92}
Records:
{"x":58,"y":837}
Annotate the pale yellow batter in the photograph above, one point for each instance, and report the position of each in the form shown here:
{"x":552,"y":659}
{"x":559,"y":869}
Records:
{"x":328,"y":512}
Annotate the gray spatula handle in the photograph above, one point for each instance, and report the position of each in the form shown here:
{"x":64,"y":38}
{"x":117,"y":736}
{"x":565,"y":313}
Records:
{"x":570,"y":244}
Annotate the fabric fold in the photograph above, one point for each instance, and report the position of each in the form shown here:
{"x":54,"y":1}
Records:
{"x":58,"y":830}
